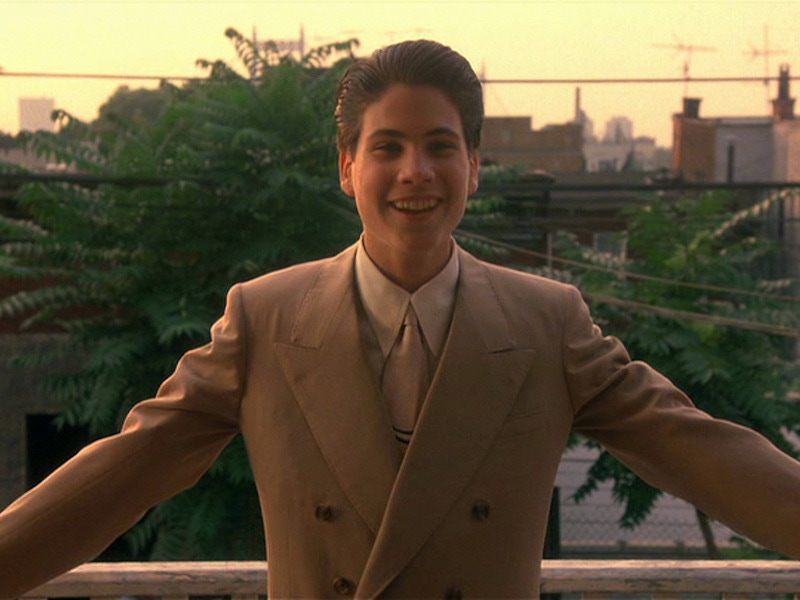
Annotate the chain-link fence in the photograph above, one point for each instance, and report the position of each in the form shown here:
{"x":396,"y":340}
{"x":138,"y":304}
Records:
{"x":591,"y":527}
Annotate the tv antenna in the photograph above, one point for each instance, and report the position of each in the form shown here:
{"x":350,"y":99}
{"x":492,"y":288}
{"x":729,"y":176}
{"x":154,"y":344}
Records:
{"x":765,"y":51}
{"x":686,"y":50}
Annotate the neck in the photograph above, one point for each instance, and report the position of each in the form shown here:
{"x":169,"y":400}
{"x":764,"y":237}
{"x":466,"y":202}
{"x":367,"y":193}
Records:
{"x":410,"y":270}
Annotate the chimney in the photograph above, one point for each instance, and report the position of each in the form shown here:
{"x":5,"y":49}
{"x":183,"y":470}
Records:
{"x":783,"y":105}
{"x":691,"y":108}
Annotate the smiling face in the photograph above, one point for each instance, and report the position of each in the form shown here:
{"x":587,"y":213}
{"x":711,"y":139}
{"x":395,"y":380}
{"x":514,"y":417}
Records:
{"x":410,"y":175}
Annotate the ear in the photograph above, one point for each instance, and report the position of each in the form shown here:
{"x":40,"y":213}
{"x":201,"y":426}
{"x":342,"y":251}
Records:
{"x":474,"y":171}
{"x":346,"y":173}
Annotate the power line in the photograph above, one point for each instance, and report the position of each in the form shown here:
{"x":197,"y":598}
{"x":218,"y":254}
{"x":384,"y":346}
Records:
{"x":661,"y":310}
{"x":693,"y":316}
{"x":33,"y":75}
{"x":510,"y":81}
{"x":622,"y":273}
{"x":637,"y":80}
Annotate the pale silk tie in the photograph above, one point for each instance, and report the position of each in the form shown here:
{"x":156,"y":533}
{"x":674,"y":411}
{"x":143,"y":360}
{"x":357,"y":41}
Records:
{"x":405,"y":377}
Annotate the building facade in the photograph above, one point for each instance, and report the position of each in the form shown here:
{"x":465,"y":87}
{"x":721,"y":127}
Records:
{"x":513,"y":141}
{"x":738,"y":149}
{"x":35,"y":113}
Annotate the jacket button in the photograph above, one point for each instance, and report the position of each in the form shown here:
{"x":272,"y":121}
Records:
{"x":480,"y":510}
{"x":454,"y":593}
{"x":343,"y":586}
{"x":323,"y":512}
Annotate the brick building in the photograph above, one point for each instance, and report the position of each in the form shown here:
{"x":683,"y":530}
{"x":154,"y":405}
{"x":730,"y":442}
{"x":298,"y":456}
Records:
{"x":738,"y":149}
{"x":513,"y":141}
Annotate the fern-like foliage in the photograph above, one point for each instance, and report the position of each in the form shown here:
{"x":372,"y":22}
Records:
{"x":135,"y":275}
{"x":699,"y":256}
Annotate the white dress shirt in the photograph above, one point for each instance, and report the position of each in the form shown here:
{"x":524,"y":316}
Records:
{"x":385,"y":304}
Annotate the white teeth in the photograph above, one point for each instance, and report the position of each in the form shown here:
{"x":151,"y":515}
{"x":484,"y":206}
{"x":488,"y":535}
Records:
{"x":414,"y":205}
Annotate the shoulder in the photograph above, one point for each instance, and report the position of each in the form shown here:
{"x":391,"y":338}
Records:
{"x":514,"y":283}
{"x":297,"y":280}
{"x":532,"y":306}
{"x":279,"y":298}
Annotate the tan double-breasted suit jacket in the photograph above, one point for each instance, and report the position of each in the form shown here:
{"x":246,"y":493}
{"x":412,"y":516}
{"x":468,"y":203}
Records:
{"x":465,"y":511}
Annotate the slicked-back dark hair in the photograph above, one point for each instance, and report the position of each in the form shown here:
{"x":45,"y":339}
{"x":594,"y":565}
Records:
{"x":419,"y":62}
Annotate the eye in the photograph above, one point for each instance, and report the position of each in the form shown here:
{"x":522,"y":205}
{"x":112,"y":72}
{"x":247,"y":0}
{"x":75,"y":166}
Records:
{"x":388,"y":148}
{"x":442,"y":146}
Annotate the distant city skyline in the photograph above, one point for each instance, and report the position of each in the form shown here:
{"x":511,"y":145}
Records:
{"x":504,"y":40}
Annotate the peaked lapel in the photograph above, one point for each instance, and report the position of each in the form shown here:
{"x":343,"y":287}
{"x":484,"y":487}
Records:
{"x":479,"y":376}
{"x":327,"y":369}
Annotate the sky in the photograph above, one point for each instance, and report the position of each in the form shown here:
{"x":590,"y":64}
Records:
{"x":511,"y":39}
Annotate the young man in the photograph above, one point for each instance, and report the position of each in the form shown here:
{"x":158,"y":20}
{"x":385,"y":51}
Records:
{"x":454,"y":501}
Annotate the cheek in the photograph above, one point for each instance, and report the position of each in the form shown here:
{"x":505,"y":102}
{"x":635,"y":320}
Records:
{"x":365,"y":207}
{"x":371,"y":182}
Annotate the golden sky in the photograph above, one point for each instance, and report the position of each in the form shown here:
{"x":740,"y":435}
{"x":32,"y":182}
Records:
{"x":519,"y":39}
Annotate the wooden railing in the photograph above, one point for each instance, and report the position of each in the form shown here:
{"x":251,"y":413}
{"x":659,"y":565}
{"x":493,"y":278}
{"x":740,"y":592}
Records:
{"x":586,"y":578}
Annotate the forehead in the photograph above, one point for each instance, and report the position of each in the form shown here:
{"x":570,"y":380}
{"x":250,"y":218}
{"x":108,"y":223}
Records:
{"x":412,"y":110}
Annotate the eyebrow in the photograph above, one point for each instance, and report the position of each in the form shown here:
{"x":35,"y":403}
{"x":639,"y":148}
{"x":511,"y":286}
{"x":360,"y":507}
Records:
{"x":395,"y":133}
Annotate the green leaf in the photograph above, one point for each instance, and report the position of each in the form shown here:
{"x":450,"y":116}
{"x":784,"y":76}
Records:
{"x":136,"y":275}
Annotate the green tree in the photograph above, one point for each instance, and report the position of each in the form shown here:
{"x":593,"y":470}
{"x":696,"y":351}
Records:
{"x":720,"y":332}
{"x":234,"y":177}
{"x":126,"y":106}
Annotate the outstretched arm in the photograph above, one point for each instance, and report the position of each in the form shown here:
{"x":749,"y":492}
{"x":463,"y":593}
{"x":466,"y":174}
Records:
{"x":164,"y":447}
{"x":728,"y":471}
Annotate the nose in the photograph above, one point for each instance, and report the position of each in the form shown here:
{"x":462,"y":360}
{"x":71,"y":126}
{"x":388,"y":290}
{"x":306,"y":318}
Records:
{"x":416,"y":167}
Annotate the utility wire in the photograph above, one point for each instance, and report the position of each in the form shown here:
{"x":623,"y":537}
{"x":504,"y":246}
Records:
{"x":636,"y":80}
{"x":34,"y":75}
{"x":622,"y":273}
{"x":693,"y":316}
{"x":659,"y":310}
{"x":511,"y":81}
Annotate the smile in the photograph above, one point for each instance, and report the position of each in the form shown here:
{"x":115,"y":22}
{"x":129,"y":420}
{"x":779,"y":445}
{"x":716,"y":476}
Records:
{"x":416,"y":205}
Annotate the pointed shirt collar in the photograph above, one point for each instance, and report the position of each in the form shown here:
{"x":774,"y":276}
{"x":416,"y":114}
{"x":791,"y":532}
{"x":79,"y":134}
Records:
{"x":386,"y":303}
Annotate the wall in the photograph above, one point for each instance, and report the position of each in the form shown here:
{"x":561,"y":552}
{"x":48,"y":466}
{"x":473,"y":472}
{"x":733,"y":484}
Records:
{"x":693,"y":148}
{"x":753,"y":151}
{"x":20,"y":395}
{"x":786,"y":151}
{"x":512,"y":141}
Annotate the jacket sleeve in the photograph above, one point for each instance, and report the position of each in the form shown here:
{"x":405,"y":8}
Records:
{"x":165,"y":445}
{"x":730,"y":472}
